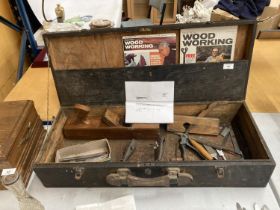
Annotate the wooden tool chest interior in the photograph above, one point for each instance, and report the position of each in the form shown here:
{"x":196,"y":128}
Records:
{"x":88,"y":68}
{"x":233,"y":114}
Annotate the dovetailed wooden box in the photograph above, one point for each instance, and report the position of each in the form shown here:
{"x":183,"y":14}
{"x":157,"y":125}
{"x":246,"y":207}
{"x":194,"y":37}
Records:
{"x":21,"y":137}
{"x":88,"y":68}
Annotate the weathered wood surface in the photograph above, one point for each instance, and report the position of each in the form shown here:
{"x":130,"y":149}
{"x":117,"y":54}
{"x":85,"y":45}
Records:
{"x":21,"y":136}
{"x":253,"y":171}
{"x":198,"y":125}
{"x":193,"y":83}
{"x":80,"y":50}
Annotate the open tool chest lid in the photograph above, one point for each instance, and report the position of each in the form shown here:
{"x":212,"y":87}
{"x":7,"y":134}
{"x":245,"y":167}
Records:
{"x":88,"y":66}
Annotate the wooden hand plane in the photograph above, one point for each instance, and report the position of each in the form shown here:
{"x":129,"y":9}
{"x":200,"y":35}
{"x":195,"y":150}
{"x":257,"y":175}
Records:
{"x":108,"y":124}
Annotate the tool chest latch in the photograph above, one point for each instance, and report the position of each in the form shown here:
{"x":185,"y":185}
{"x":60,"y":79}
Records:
{"x":220,"y":172}
{"x":79,"y":171}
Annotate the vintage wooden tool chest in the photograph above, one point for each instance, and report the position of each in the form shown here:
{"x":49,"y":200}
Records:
{"x":21,"y":135}
{"x":88,"y":68}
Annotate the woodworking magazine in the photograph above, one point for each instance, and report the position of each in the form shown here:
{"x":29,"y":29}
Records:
{"x":212,"y":44}
{"x":149,"y":50}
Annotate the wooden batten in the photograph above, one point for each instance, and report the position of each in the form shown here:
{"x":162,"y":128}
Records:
{"x":241,"y":40}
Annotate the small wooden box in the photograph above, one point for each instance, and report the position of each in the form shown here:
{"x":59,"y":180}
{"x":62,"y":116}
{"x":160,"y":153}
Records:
{"x":88,"y":68}
{"x":138,"y":9}
{"x":170,"y":13}
{"x":21,"y":136}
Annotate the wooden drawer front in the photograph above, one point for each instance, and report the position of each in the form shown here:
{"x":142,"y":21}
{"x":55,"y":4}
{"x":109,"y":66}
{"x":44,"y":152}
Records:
{"x":24,"y":139}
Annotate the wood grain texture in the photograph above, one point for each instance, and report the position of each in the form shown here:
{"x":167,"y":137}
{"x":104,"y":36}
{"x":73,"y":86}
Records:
{"x":170,"y":13}
{"x":238,"y":173}
{"x":35,"y":86}
{"x":93,"y":51}
{"x":198,"y":125}
{"x":193,"y":83}
{"x":21,"y":135}
{"x":241,"y":42}
{"x":263,"y":93}
{"x":87,"y":52}
{"x":104,"y":49}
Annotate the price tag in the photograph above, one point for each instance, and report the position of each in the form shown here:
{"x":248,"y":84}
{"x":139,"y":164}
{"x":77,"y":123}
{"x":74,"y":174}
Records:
{"x":8,"y":171}
{"x":228,"y":66}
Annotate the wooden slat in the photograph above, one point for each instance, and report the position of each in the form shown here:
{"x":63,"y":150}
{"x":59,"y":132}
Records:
{"x":242,"y":40}
{"x":86,"y":52}
{"x":198,"y":125}
{"x":37,"y":85}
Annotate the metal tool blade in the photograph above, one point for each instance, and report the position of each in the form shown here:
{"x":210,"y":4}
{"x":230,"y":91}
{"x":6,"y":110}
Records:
{"x":221,"y":153}
{"x":211,"y":151}
{"x":235,"y":144}
{"x":225,"y":132}
{"x":129,"y":150}
{"x":205,"y":141}
{"x":159,"y":148}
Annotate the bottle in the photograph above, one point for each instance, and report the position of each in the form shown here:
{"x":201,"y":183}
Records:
{"x":15,"y":184}
{"x":60,"y":14}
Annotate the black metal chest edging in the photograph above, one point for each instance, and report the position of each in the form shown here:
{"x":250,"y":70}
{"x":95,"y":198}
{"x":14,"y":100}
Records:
{"x":193,"y":83}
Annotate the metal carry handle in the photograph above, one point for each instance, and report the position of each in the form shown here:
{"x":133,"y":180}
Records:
{"x":174,"y":177}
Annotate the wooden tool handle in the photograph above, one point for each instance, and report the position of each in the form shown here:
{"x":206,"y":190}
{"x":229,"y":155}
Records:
{"x":201,"y":149}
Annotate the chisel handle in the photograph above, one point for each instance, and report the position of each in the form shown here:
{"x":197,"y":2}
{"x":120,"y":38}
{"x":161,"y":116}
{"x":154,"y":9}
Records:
{"x":201,"y":149}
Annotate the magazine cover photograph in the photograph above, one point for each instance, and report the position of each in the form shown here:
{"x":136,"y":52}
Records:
{"x":149,"y":50}
{"x":203,"y":45}
{"x":213,"y":53}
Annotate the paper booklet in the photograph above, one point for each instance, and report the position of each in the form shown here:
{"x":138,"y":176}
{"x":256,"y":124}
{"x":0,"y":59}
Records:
{"x":149,"y":102}
{"x":212,"y":44}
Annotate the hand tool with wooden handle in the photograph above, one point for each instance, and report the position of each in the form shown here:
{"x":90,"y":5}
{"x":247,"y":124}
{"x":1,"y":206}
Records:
{"x":211,"y":151}
{"x":201,"y":149}
{"x":184,"y":144}
{"x":204,"y":140}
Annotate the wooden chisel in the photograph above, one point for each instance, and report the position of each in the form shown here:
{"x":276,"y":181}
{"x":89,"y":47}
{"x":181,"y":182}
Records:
{"x":201,"y":149}
{"x":204,"y":141}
